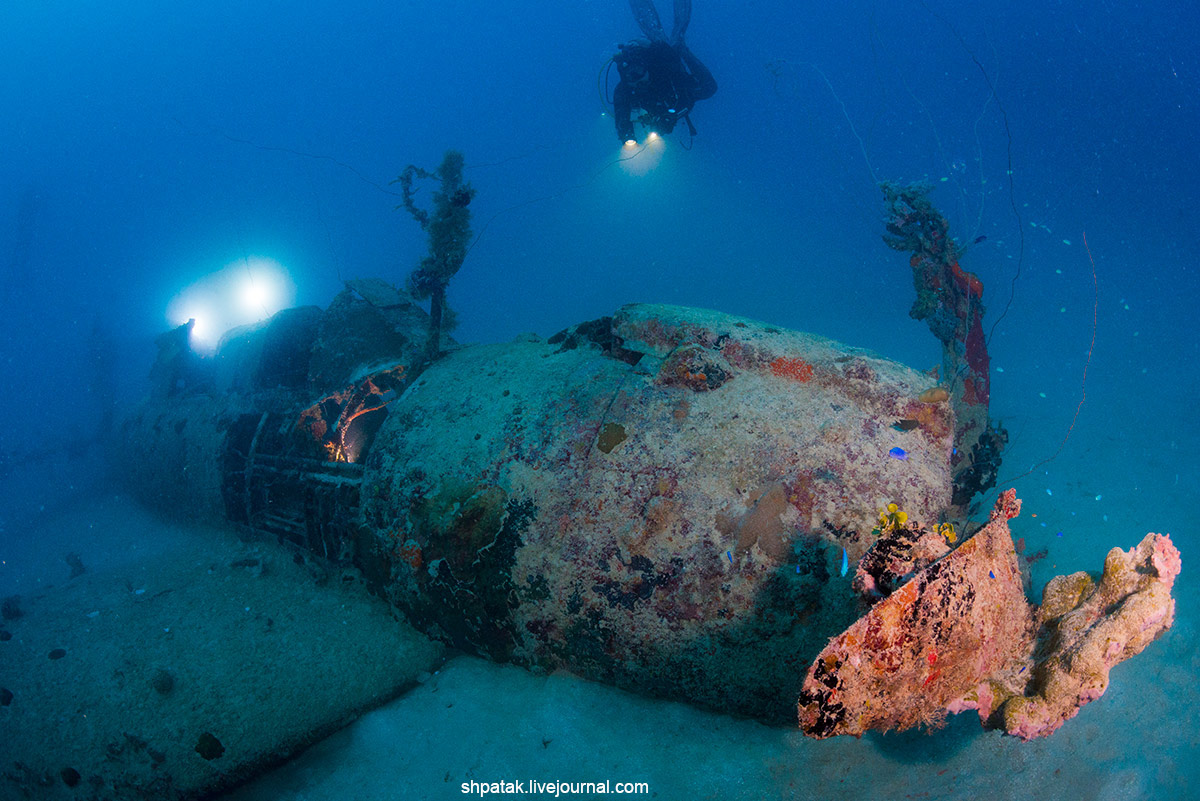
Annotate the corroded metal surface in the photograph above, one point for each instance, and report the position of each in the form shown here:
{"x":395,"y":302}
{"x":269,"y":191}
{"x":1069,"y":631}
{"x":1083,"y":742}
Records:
{"x":661,"y":501}
{"x":956,"y":623}
{"x":959,"y":635}
{"x":950,"y":301}
{"x":669,"y":499}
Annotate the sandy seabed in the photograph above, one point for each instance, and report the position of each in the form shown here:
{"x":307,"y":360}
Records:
{"x":471,"y":720}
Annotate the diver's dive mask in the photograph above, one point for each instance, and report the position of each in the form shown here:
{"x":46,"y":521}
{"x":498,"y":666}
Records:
{"x":631,"y":61}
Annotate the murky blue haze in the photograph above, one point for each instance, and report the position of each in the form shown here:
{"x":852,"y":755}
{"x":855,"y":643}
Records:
{"x":148,"y":145}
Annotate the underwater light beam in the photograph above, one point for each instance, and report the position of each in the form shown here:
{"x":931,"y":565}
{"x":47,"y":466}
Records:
{"x":637,"y":160}
{"x":242,"y":293}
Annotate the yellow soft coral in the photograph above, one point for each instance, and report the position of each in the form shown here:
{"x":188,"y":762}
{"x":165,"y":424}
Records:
{"x":891,"y":518}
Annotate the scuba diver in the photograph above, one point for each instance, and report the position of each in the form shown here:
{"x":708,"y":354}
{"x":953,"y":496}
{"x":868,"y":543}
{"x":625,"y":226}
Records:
{"x":659,"y":76}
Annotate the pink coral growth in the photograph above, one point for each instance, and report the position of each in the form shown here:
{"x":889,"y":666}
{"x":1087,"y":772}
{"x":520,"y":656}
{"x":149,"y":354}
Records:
{"x":1166,"y":559}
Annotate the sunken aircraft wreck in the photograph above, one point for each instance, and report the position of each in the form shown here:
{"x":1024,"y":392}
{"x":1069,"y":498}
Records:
{"x":676,"y":501}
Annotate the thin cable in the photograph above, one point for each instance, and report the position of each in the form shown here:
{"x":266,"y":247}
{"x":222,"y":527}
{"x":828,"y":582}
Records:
{"x":1012,"y":192}
{"x":316,"y":156}
{"x":861,"y":144}
{"x":1086,"y":365}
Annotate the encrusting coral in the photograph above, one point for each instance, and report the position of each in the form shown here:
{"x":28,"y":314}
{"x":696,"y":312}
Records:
{"x":900,"y":550}
{"x":449,"y":230}
{"x":1089,"y":628}
{"x":949,"y":300}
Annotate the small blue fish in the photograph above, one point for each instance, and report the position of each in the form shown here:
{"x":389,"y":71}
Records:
{"x":991,"y":574}
{"x":730,"y":555}
{"x":845,"y":562}
{"x":898,"y":453}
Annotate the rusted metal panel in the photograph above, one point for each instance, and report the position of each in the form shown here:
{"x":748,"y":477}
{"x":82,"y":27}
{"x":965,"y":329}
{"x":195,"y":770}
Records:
{"x":674,"y":524}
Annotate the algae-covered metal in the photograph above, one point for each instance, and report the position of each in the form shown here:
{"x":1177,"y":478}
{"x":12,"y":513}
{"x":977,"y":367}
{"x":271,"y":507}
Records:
{"x":659,"y":499}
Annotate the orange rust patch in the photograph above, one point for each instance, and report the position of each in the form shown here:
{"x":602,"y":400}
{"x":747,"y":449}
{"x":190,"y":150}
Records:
{"x":796,"y":369}
{"x":968,"y":282}
{"x":410,"y":554}
{"x":970,"y":393}
{"x":906,"y":594}
{"x":934,"y":419}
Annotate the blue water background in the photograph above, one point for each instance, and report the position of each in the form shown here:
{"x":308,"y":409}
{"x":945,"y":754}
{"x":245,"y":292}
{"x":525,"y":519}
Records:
{"x":147,"y":145}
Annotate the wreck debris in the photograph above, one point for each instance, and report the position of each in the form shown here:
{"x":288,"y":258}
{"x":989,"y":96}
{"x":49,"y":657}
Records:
{"x":449,"y":229}
{"x":950,"y":301}
{"x":344,"y":423}
{"x":661,"y":502}
{"x":898,"y":553}
{"x":10,"y":609}
{"x":660,"y":499}
{"x":953,"y":625}
{"x":960,"y":635}
{"x":268,"y":356}
{"x":75,"y":562}
{"x":177,"y":369}
{"x":369,"y":325}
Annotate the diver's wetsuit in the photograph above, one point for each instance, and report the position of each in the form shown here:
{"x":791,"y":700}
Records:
{"x":663,"y":78}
